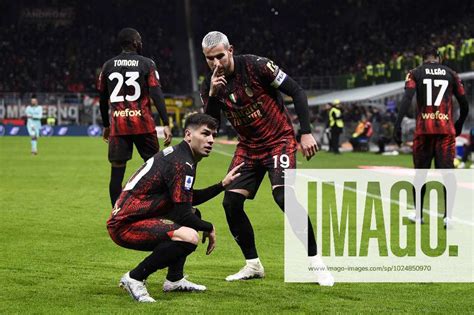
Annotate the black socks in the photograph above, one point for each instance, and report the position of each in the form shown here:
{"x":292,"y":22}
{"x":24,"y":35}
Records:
{"x":115,"y":185}
{"x":239,"y":223}
{"x":165,"y":254}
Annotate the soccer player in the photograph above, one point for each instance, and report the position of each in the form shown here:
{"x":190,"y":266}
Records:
{"x":128,"y":81}
{"x":154,"y":211}
{"x":34,"y":113}
{"x":247,"y":89}
{"x":435,"y":133}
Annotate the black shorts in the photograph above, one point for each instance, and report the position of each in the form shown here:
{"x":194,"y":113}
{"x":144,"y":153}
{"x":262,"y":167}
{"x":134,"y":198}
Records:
{"x":121,"y":147}
{"x":273,"y":160}
{"x":142,"y":235}
{"x":440,"y":147}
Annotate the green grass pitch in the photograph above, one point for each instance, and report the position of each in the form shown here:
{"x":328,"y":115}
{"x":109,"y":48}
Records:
{"x":56,"y":256}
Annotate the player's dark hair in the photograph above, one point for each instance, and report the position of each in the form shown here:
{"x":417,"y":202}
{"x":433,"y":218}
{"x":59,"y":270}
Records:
{"x":33,"y":95}
{"x":431,"y":52}
{"x":198,"y":120}
{"x":127,"y":36}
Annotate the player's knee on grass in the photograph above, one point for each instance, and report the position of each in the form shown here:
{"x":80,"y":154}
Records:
{"x":186,"y":234}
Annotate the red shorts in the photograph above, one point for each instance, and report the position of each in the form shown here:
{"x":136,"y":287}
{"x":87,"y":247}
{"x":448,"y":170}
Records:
{"x":121,"y":147}
{"x":142,"y":235}
{"x":273,"y":160}
{"x":440,"y":147}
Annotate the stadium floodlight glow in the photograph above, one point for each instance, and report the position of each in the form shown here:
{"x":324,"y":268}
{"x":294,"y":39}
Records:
{"x":363,"y":230}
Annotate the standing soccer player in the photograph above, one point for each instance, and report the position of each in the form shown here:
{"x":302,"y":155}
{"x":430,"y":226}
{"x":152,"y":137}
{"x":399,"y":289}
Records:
{"x":154,"y":212}
{"x":247,"y":89}
{"x":435,"y":133}
{"x":34,"y":113}
{"x":128,"y":81}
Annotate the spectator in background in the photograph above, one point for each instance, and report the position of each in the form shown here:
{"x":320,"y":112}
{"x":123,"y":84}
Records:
{"x":336,"y":124}
{"x":361,"y":136}
{"x":385,"y":135}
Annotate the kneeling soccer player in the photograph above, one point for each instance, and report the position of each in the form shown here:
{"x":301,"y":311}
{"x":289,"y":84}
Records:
{"x":154,"y":211}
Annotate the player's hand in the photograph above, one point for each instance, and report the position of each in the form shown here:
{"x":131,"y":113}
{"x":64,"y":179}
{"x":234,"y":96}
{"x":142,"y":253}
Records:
{"x":229,"y":178}
{"x":217,"y":81}
{"x":458,"y":127}
{"x":308,"y":145}
{"x":212,"y":240}
{"x":168,"y":135}
{"x":105,"y":134}
{"x":397,"y":135}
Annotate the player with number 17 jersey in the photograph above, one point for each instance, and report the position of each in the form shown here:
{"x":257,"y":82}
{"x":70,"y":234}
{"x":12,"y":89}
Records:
{"x":127,"y":78}
{"x":435,"y":85}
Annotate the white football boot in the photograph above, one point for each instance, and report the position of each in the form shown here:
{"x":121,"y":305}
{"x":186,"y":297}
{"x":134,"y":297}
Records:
{"x":182,"y":285}
{"x":252,"y":270}
{"x":136,"y":289}
{"x":413,"y":218}
{"x":323,"y":275}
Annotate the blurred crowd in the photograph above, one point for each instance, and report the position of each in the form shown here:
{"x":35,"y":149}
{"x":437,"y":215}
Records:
{"x":42,"y":51}
{"x":341,"y":37}
{"x":59,"y":46}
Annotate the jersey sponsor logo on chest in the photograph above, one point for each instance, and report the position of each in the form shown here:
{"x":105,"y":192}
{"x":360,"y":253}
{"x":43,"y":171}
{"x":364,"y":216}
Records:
{"x":246,"y":115}
{"x":127,"y":112}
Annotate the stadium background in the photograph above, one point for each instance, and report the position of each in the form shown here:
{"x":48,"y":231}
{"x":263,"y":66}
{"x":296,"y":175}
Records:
{"x":56,"y":255}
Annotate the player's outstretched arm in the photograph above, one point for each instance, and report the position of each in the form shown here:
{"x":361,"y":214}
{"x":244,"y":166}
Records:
{"x":202,"y":195}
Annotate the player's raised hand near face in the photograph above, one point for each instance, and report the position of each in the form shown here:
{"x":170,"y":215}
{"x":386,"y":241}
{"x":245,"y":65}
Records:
{"x":217,"y":81}
{"x":168,"y":135}
{"x":229,"y":178}
{"x":309,"y":146}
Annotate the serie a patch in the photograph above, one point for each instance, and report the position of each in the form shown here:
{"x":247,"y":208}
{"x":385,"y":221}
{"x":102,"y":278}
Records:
{"x":188,"y":183}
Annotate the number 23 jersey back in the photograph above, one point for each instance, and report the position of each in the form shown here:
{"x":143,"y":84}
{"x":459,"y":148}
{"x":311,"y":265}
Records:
{"x":126,"y":79}
{"x":435,"y":86}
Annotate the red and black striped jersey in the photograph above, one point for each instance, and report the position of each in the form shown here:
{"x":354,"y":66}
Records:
{"x":435,"y":85}
{"x":163,"y":181}
{"x":252,"y":103}
{"x":126,"y":79}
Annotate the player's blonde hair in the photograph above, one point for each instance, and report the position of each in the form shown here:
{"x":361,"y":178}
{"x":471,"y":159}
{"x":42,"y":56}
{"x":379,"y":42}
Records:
{"x":215,"y":38}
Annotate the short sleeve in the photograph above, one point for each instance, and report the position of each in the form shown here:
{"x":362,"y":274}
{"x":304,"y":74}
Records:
{"x":410,"y":82}
{"x":458,"y":86}
{"x":153,"y":75}
{"x":101,"y":84}
{"x":269,"y":72}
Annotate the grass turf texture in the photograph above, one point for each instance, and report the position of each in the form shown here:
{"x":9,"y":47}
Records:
{"x":56,"y":255}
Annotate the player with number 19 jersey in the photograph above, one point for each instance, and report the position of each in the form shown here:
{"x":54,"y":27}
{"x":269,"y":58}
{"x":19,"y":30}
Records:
{"x":127,"y":78}
{"x":435,"y":85}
